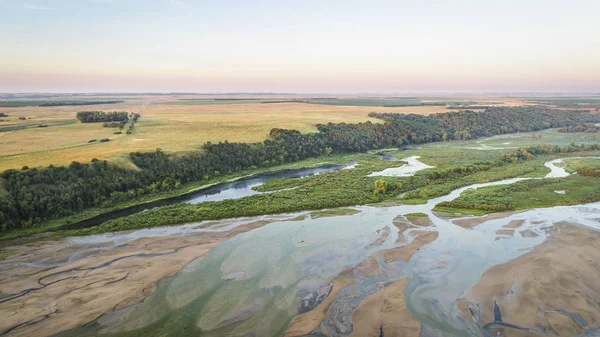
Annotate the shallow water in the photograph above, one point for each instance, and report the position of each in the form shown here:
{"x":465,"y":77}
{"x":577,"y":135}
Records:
{"x":231,"y":190}
{"x":243,"y":188}
{"x":413,"y":166}
{"x":252,"y":284}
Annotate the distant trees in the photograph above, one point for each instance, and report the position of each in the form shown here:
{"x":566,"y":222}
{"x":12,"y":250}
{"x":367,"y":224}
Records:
{"x":101,"y":116}
{"x":80,"y":103}
{"x":587,"y":127}
{"x":589,"y":171}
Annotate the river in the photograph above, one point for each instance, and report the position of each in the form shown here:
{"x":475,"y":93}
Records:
{"x":251,"y":284}
{"x":228,"y":190}
{"x":254,"y":283}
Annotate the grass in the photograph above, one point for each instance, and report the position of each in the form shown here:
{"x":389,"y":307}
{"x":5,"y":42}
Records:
{"x":328,"y":190}
{"x":334,"y":212}
{"x":573,"y":163}
{"x":527,"y":194}
{"x":417,"y":214}
{"x":176,"y":124}
{"x":56,"y":224}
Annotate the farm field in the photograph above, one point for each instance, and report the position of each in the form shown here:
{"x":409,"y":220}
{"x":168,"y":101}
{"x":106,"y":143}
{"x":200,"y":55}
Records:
{"x":173,"y":124}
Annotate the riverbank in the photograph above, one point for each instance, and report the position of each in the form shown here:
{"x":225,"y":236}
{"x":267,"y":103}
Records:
{"x":377,"y":248}
{"x":56,"y":285}
{"x":553,"y":288}
{"x":96,"y":216}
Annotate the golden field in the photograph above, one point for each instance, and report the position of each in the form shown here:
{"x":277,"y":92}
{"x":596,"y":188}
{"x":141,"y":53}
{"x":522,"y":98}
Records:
{"x":171,"y":127}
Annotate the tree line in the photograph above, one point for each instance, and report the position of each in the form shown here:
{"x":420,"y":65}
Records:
{"x":587,"y":127}
{"x":35,"y":195}
{"x":80,"y":103}
{"x":101,"y":116}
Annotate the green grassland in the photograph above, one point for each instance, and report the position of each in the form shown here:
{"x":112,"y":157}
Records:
{"x":527,"y":194}
{"x":340,"y":189}
{"x":336,"y":189}
{"x":573,"y":163}
{"x":334,"y":212}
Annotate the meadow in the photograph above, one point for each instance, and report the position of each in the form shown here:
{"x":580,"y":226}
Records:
{"x":182,"y":123}
{"x":175,"y":124}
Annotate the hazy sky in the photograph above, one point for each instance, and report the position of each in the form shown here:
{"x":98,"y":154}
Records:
{"x":300,"y":46}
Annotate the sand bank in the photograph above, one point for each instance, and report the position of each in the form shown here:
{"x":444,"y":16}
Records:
{"x":38,"y":299}
{"x":555,"y":286}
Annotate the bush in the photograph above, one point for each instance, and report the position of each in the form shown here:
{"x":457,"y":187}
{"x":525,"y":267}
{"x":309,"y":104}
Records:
{"x":101,"y":116}
{"x":104,"y":140}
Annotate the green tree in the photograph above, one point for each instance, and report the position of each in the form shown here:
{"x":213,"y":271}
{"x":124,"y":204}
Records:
{"x":380,"y":187}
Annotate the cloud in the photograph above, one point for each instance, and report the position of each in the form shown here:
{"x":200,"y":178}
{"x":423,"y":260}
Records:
{"x":179,"y":2}
{"x":36,"y":8}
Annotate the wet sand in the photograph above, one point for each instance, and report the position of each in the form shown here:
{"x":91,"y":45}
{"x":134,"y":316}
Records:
{"x":384,"y":314}
{"x":306,"y":323}
{"x":403,"y":223}
{"x":471,"y":222}
{"x":556,"y":287}
{"x":422,"y":221}
{"x":382,"y":309}
{"x":61,"y":295}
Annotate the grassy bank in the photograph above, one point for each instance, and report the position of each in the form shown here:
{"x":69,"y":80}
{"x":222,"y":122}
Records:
{"x":353,"y":187}
{"x":56,"y":224}
{"x":330,"y":190}
{"x":526,"y":194}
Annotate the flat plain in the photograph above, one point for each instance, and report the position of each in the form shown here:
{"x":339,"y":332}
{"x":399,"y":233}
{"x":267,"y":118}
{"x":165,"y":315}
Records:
{"x":176,"y":124}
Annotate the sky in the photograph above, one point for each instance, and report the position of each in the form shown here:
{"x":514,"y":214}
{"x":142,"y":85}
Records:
{"x":309,"y":46}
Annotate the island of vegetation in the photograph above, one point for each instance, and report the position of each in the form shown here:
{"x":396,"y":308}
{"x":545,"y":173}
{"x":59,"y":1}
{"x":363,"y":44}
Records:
{"x":101,"y":116}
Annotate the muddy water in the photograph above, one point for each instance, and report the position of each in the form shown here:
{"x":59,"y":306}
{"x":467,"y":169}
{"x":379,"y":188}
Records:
{"x":256,"y":282}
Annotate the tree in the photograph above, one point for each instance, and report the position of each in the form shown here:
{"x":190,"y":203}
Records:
{"x":380,"y":187}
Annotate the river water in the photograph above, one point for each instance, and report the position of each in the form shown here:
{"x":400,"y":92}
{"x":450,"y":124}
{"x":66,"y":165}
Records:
{"x":252,"y":284}
{"x":222,"y":191}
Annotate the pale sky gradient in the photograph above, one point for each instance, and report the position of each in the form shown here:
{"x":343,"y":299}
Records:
{"x":300,"y":46}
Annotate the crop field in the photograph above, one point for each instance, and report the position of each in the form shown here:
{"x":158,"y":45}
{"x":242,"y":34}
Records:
{"x":14,"y":103}
{"x":39,"y":136}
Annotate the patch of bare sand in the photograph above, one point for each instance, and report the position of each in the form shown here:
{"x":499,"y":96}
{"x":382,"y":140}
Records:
{"x":560,"y":274}
{"x":384,"y":313}
{"x":514,"y":224}
{"x":309,"y":321}
{"x":40,"y":302}
{"x":370,"y":267}
{"x":422,"y":221}
{"x":404,"y":253}
{"x":471,"y":222}
{"x":403,"y":223}
{"x":529,"y":234}
{"x":505,"y":232}
{"x":384,"y":234}
{"x":393,"y":293}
